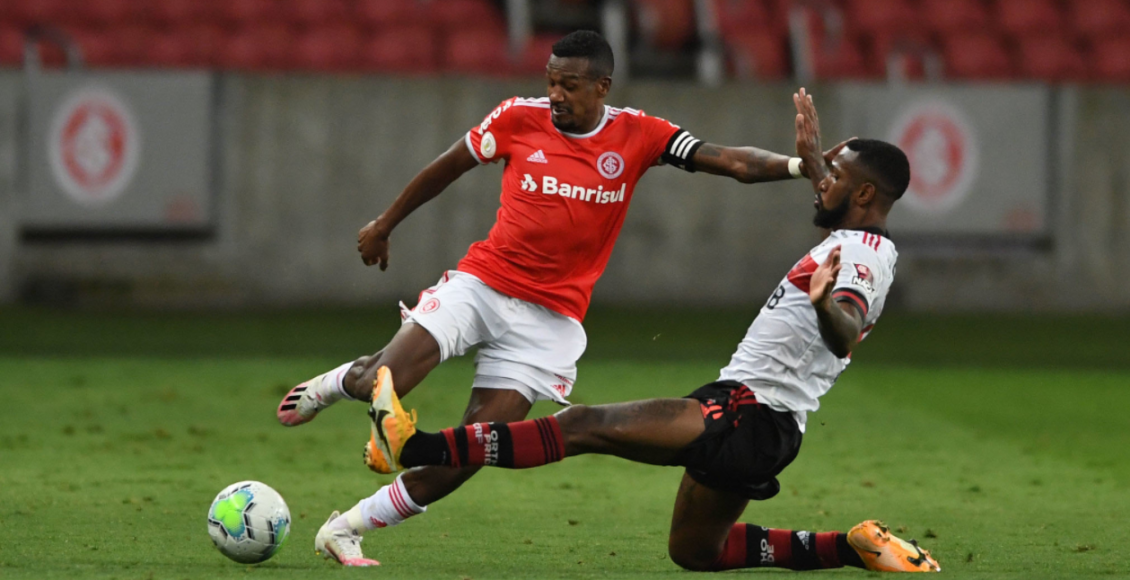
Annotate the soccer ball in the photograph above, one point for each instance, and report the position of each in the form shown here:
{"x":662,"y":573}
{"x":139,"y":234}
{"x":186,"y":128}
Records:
{"x":248,"y":522}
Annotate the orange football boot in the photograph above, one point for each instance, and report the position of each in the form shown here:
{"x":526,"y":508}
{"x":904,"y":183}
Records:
{"x":885,"y":552}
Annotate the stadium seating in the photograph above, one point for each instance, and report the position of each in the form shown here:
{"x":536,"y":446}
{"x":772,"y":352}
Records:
{"x":482,"y":51}
{"x":977,"y":56}
{"x":1021,"y":17}
{"x":536,"y":54}
{"x":955,"y":16}
{"x":761,"y":54}
{"x":1046,"y":40}
{"x":666,"y":24}
{"x":1099,"y":18}
{"x":327,"y":48}
{"x":1110,"y":58}
{"x":1052,"y":58}
{"x":402,"y":50}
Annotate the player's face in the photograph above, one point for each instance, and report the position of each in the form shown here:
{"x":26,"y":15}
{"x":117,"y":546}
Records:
{"x":576,"y":98}
{"x":834,"y":198}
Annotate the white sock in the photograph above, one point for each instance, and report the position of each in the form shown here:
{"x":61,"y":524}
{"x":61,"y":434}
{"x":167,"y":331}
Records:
{"x":331,"y":388}
{"x":388,"y":507}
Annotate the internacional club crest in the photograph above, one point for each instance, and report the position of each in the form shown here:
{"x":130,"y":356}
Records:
{"x":93,"y":146}
{"x":610,"y":165}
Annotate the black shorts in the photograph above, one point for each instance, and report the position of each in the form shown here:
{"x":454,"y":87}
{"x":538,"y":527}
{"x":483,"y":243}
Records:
{"x":745,"y":445}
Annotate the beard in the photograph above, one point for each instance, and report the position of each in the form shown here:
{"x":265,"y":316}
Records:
{"x":830,"y":218}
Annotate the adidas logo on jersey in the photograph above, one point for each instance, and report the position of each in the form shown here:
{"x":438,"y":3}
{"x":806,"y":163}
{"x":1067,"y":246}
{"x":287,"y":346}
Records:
{"x":537,"y":157}
{"x":550,"y":186}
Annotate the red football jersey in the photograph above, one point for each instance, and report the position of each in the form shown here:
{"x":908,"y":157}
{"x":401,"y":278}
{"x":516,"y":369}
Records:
{"x":564,"y":197}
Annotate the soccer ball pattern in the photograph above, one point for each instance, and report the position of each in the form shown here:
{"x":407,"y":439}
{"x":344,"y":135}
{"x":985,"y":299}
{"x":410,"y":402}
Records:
{"x":248,"y":522}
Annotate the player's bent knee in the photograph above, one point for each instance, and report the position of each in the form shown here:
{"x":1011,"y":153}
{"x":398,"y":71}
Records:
{"x":580,"y":425}
{"x":688,"y":560}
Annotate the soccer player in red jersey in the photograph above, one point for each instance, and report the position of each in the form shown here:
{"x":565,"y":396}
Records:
{"x":571,"y":167}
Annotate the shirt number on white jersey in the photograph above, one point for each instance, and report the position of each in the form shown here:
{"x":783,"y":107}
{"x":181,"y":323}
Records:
{"x":776,"y":297}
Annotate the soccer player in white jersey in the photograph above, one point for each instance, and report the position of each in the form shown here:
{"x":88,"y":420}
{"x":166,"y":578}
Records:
{"x":735,"y":435}
{"x":571,"y":167}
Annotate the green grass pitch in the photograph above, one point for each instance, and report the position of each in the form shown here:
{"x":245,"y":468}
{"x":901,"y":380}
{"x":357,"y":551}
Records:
{"x":1000,"y":443}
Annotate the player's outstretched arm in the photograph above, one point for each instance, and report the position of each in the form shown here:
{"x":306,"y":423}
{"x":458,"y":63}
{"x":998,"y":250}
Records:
{"x":840,"y":323}
{"x":745,"y":164}
{"x":372,"y":240}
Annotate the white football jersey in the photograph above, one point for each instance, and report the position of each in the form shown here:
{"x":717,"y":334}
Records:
{"x":783,"y":358}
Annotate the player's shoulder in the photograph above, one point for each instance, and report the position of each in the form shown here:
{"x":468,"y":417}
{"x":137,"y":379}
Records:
{"x":864,"y":242}
{"x":514,"y":107}
{"x":636,"y":117}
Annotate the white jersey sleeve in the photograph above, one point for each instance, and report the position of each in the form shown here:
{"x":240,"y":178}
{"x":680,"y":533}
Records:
{"x":861,"y":278}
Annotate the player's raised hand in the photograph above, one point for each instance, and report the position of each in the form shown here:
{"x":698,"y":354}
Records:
{"x":824,"y":280}
{"x":808,"y":134}
{"x":372,"y":242}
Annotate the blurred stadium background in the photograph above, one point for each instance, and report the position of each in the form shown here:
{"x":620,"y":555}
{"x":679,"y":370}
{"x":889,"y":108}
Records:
{"x":181,"y":182}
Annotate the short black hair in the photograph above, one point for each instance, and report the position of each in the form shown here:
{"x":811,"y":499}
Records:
{"x":590,"y":45}
{"x":886,"y":163}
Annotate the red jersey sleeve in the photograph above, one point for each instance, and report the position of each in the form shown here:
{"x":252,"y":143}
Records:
{"x":669,"y":143}
{"x":489,"y":141}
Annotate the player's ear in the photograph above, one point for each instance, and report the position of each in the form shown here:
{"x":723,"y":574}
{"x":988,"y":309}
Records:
{"x":603,"y":86}
{"x":866,"y":193}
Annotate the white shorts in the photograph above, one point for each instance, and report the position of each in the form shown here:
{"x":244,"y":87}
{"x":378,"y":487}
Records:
{"x":524,"y":346}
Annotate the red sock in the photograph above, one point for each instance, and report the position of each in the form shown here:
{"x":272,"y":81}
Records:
{"x":514,"y":445}
{"x":750,"y":546}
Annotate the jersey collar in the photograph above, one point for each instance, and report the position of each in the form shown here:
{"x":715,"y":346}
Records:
{"x":874,"y":230}
{"x":599,"y":126}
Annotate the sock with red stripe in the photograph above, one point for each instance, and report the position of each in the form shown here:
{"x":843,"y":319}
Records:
{"x":514,"y":445}
{"x":388,"y":507}
{"x":750,"y":546}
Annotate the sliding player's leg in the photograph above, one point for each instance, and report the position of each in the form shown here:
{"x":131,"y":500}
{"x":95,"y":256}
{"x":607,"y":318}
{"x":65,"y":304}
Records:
{"x":653,"y":431}
{"x":706,"y":536}
{"x":411,"y":492}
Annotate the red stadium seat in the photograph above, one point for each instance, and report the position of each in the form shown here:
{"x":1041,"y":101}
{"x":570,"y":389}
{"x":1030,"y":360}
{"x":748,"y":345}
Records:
{"x":36,"y":11}
{"x":255,"y":48}
{"x":174,"y":12}
{"x":105,"y":12}
{"x":1110,"y":59}
{"x":464,"y":15}
{"x":174,"y":49}
{"x":238,"y":13}
{"x":1051,"y":58}
{"x":843,"y":60}
{"x":740,"y":17}
{"x":536,"y":54}
{"x":327,"y":48}
{"x":385,"y":13}
{"x":911,"y":47}
{"x":946,"y":16}
{"x":1095,"y":18}
{"x":882,"y":16}
{"x":408,"y":50}
{"x":100,"y":49}
{"x":207,"y":40}
{"x":759,"y":54}
{"x":977,"y":56}
{"x":11,"y":46}
{"x":666,"y":24}
{"x":312,"y":13}
{"x":1022,"y":17}
{"x":481,"y":51}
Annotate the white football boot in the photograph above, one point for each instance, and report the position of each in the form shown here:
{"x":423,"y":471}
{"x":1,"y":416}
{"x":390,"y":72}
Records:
{"x":302,"y":403}
{"x":341,"y":544}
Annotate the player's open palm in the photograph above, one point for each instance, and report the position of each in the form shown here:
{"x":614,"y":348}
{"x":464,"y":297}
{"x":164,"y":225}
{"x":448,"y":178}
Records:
{"x":824,"y":278}
{"x":372,"y":242}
